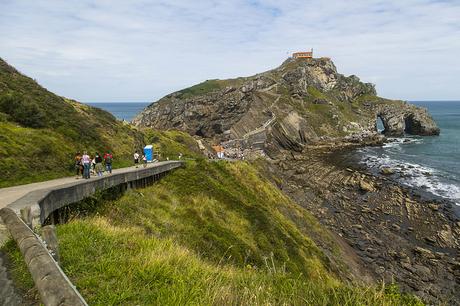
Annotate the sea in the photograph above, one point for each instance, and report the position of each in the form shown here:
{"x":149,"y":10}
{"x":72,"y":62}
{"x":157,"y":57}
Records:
{"x":121,"y":110}
{"x":430,"y":164}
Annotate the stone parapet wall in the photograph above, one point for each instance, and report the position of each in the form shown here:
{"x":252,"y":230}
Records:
{"x":30,"y":211}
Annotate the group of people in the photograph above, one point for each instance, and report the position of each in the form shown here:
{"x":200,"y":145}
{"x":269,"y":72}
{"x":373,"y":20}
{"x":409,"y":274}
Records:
{"x":84,"y":164}
{"x":137,"y":157}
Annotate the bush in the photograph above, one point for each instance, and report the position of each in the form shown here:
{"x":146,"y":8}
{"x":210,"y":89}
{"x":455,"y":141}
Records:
{"x":22,"y":111}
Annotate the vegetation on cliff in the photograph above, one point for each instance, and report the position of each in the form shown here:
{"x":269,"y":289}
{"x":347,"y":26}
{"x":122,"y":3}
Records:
{"x":41,"y":132}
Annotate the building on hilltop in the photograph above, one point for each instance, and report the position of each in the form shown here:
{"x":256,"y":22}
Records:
{"x":303,"y":54}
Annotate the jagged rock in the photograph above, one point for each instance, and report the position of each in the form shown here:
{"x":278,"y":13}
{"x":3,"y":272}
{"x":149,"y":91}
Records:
{"x":445,"y":236}
{"x":273,"y":111}
{"x":424,"y":252}
{"x":406,"y":118}
{"x":367,"y":187}
{"x":387,"y":171}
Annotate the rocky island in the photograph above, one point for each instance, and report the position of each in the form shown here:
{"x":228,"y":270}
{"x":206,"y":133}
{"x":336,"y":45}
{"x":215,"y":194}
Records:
{"x":302,"y":102}
{"x":299,"y":118}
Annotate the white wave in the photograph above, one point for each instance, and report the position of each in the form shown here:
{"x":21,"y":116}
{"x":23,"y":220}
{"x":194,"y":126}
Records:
{"x":395,"y":142}
{"x":414,"y":175}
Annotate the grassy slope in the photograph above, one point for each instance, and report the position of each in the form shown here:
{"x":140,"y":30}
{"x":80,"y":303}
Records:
{"x":210,"y":233}
{"x":42,"y":146}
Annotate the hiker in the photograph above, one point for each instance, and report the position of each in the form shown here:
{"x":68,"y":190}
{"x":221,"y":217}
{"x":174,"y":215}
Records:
{"x":78,"y":165}
{"x":180,"y":155}
{"x":136,"y":159}
{"x":98,"y":167}
{"x":86,"y":161}
{"x":108,"y":162}
{"x":144,"y":160}
{"x":92,"y":169}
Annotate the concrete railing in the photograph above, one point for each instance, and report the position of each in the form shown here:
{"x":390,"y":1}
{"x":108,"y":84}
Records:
{"x":35,"y":207}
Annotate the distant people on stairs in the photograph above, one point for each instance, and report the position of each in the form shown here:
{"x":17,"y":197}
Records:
{"x":86,"y":161}
{"x":108,"y":162}
{"x":98,"y":167}
{"x":136,"y":159}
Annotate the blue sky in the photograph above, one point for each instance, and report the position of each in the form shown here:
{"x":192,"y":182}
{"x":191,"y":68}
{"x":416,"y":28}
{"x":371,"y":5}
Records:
{"x":141,"y":50}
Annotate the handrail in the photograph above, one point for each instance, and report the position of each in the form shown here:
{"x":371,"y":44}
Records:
{"x":53,"y":285}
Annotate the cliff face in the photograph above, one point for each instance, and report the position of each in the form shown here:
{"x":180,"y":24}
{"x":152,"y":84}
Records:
{"x":303,"y":101}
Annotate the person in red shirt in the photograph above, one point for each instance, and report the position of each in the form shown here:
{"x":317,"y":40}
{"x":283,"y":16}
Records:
{"x":108,"y":158}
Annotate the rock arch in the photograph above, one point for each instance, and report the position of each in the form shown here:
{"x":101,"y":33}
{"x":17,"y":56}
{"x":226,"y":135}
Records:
{"x":401,"y":119}
{"x":379,"y":119}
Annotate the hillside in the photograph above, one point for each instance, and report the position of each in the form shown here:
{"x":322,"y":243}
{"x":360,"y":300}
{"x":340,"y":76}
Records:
{"x":41,"y":132}
{"x":211,"y":233}
{"x":302,"y":118}
{"x":304,"y":101}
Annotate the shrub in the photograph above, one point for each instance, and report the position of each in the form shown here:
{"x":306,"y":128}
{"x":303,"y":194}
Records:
{"x":22,"y":111}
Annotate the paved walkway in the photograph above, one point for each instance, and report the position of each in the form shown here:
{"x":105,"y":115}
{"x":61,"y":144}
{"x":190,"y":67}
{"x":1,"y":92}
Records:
{"x":10,"y":194}
{"x":8,"y":294}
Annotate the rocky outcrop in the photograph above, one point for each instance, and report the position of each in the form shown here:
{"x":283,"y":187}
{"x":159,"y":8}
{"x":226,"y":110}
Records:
{"x":398,"y":235}
{"x":304,"y":101}
{"x":402,"y":118}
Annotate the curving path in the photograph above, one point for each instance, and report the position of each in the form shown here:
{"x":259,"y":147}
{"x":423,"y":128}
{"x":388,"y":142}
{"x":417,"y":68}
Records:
{"x":11,"y":194}
{"x":22,"y":193}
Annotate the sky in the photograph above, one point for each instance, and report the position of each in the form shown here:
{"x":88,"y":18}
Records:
{"x":139,"y":51}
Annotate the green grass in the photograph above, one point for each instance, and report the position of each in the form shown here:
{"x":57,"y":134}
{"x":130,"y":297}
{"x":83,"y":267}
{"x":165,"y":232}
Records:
{"x":210,"y":233}
{"x":40,"y":132}
{"x":200,"y":89}
{"x":209,"y":86}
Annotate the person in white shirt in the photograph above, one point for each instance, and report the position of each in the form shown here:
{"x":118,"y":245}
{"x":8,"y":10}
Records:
{"x":136,"y":159}
{"x":86,"y":161}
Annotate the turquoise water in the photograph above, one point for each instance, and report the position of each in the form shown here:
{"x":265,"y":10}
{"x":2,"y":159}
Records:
{"x":123,"y":110}
{"x":431,"y":163}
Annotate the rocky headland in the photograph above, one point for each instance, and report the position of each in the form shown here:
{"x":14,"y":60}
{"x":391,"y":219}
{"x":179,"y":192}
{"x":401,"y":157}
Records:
{"x":302,"y":102}
{"x":300,"y":117}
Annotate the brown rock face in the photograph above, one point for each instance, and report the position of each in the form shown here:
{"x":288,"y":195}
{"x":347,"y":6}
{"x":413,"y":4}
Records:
{"x":301,"y":102}
{"x":396,"y":234}
{"x":405,"y":118}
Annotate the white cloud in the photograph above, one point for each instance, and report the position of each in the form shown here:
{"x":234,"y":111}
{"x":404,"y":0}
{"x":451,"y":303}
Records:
{"x":142,"y":50}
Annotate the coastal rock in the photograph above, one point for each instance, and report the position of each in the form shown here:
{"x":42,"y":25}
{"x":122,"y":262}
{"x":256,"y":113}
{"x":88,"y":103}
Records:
{"x":386,"y":228}
{"x":302,"y":102}
{"x":367,"y":187}
{"x":404,"y":118}
{"x":424,"y":252}
{"x":387,"y":171}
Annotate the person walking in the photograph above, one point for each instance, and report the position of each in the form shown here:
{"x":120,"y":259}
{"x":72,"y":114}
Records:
{"x":86,"y":161}
{"x":93,"y":166}
{"x":78,"y":165}
{"x":98,"y":167}
{"x":108,"y":162}
{"x":136,"y":159}
{"x":144,"y":160}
